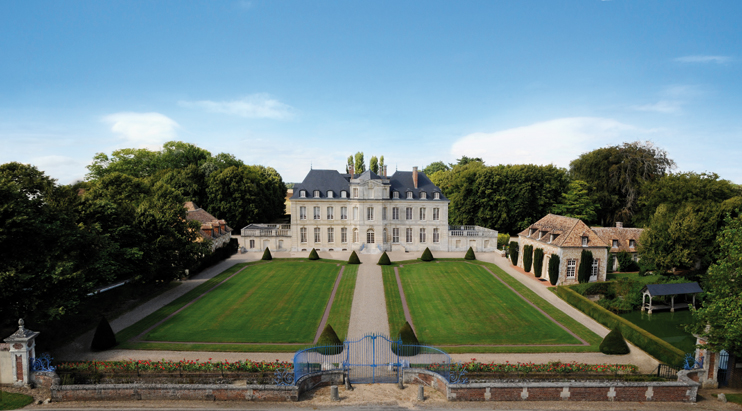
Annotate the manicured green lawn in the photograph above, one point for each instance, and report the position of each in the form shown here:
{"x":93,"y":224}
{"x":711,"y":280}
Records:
{"x":12,"y":401}
{"x":281,"y":301}
{"x":394,"y":309}
{"x":455,"y":303}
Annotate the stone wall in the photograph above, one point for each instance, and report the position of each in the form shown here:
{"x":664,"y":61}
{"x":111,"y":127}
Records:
{"x":564,"y":254}
{"x":683,"y":390}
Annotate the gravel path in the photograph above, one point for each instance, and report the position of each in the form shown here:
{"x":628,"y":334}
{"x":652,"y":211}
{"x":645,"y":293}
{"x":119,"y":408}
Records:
{"x":368,"y":312}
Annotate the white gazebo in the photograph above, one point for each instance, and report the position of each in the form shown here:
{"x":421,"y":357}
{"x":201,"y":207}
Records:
{"x":656,"y":290}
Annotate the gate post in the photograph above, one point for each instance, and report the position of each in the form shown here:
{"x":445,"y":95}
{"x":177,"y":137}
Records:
{"x":22,"y":347}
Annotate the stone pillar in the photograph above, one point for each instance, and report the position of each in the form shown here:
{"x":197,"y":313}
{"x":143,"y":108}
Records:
{"x":22,"y":348}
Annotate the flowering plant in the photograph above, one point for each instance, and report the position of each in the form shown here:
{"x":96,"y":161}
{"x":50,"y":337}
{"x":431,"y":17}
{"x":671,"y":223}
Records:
{"x":174,"y":366}
{"x":530,"y":367}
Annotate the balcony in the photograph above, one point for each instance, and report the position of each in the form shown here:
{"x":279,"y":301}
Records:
{"x":267,"y":230}
{"x":471,"y":231}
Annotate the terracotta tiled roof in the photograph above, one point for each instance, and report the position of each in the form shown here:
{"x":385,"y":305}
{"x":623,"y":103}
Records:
{"x":568,"y":231}
{"x":207,"y":221}
{"x":622,"y":235}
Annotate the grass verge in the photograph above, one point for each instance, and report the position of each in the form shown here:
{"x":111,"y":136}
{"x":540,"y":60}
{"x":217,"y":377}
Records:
{"x":13,"y":401}
{"x":394,"y":309}
{"x":340,"y":312}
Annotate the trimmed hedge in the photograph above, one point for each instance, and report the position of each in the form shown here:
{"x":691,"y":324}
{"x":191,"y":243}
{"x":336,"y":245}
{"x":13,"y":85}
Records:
{"x":329,"y":342}
{"x":267,"y":254}
{"x":648,"y":342}
{"x":554,"y":269}
{"x":614,"y":344}
{"x":354,"y":258}
{"x":104,"y":337}
{"x":538,"y":261}
{"x":427,"y":255}
{"x":527,"y":258}
{"x":384,"y":259}
{"x":470,"y":254}
{"x":513,"y":252}
{"x":313,"y":255}
{"x":586,"y":267}
{"x":409,"y":340}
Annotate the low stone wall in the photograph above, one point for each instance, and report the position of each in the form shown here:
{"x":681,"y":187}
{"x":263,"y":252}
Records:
{"x":683,"y":390}
{"x":204,"y":392}
{"x":45,"y":379}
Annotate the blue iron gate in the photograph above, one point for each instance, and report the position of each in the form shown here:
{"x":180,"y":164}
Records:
{"x":722,"y":375}
{"x":371,"y":359}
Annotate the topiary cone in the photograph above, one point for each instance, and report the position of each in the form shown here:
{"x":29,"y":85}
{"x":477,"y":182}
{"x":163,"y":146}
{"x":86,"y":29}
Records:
{"x":104,"y":337}
{"x":354,"y":258}
{"x":329,"y":342}
{"x":267,"y":254}
{"x":313,"y":255}
{"x":427,"y":255}
{"x":470,"y":254}
{"x":614,"y":344}
{"x":384,"y":259}
{"x":410,"y":344}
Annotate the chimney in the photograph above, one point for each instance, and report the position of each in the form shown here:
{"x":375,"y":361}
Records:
{"x":619,"y":224}
{"x":384,"y":171}
{"x":414,"y":176}
{"x":350,"y":171}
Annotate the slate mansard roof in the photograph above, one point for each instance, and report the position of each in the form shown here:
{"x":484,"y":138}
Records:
{"x":332,"y":180}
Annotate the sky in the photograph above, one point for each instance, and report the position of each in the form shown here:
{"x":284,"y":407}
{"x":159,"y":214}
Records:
{"x":304,"y":84}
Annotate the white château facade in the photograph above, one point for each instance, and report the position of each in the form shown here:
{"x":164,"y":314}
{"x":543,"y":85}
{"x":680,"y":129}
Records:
{"x":367,"y":213}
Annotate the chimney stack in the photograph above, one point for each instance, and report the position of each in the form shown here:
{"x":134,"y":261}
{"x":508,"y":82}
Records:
{"x":619,"y":224}
{"x":384,"y":170}
{"x":414,"y":176}
{"x":350,"y":171}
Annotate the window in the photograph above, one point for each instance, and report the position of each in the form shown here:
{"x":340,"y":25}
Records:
{"x":316,"y":213}
{"x":409,"y":195}
{"x":571,"y":264}
{"x":370,"y":236}
{"x":330,"y":235}
{"x":595,"y":268}
{"x":632,"y":243}
{"x":615,"y":243}
{"x":302,"y":213}
{"x":317,"y":237}
{"x":355,"y":192}
{"x":422,"y":214}
{"x":355,"y":213}
{"x":370,"y":213}
{"x":330,"y":213}
{"x":408,"y":213}
{"x":330,"y":194}
{"x":552,"y":237}
{"x":531,"y":231}
{"x":343,"y":194}
{"x":395,"y":235}
{"x":396,"y":195}
{"x":383,"y":213}
{"x":437,"y":196}
{"x":423,"y":195}
{"x":584,"y":241}
{"x":540,"y":234}
{"x":316,"y":193}
{"x":355,"y":235}
{"x":422,"y":235}
{"x":252,"y":243}
{"x":303,"y":194}
{"x":303,"y":234}
{"x":343,"y":213}
{"x":395,"y":213}
{"x":436,"y":214}
{"x":385,"y":239}
{"x":343,"y":235}
{"x":408,"y":235}
{"x":436,"y":236}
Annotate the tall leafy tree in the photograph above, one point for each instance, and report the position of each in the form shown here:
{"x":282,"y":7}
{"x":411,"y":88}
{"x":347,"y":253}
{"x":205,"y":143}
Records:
{"x":359,"y":162}
{"x":373,"y":164}
{"x":434,"y":167}
{"x":381,"y":164}
{"x":586,"y":266}
{"x":576,"y":203}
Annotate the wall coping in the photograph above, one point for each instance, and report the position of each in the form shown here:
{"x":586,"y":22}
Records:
{"x":316,"y":373}
{"x":81,"y":387}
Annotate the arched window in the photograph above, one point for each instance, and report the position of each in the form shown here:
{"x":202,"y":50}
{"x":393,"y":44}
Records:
{"x":370,"y":236}
{"x":303,"y":194}
{"x":330,"y":194}
{"x":316,"y":193}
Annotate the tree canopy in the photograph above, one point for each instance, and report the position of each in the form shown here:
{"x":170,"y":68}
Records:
{"x":576,"y":203}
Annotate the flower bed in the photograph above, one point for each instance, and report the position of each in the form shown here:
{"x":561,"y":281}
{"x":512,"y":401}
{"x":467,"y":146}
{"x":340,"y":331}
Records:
{"x":533,"y":370}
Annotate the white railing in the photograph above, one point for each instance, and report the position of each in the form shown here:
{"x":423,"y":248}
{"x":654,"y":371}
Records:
{"x":267,"y":230}
{"x":471,"y":231}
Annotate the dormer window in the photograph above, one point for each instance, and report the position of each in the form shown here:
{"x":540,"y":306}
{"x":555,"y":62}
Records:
{"x":303,"y":194}
{"x":615,"y":243}
{"x":316,"y":193}
{"x":330,"y":194}
{"x":343,"y":194}
{"x":584,"y":241}
{"x":423,"y":195}
{"x":552,"y":237}
{"x":632,"y":243}
{"x":541,"y":234}
{"x":531,"y":231}
{"x":436,"y":196}
{"x":409,"y":195}
{"x":395,"y":195}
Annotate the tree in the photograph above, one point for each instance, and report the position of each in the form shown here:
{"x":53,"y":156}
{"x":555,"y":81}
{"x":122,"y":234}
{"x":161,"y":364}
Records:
{"x":614,"y":344}
{"x":719,"y":320}
{"x":427,"y":255}
{"x":329,"y":342}
{"x":586,"y":266}
{"x":313,"y":255}
{"x":464,"y":160}
{"x":527,"y":257}
{"x":351,"y":164}
{"x":267,"y":256}
{"x":360,"y":163}
{"x":626,"y":263}
{"x":104,"y":338}
{"x":513,"y":252}
{"x":410,"y":344}
{"x":470,"y":254}
{"x":373,"y":164}
{"x":554,"y":269}
{"x":576,"y":203}
{"x":615,"y":175}
{"x":384,"y":259}
{"x":381,"y":164}
{"x":434,"y":167}
{"x":538,"y":261}
{"x":354,"y":258}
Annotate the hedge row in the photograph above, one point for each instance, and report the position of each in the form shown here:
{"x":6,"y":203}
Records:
{"x":648,"y":342}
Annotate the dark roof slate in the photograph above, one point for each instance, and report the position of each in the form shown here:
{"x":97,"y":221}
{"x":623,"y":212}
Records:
{"x":322,"y":180}
{"x":325,"y":180}
{"x":402,"y":181}
{"x":673,"y":289}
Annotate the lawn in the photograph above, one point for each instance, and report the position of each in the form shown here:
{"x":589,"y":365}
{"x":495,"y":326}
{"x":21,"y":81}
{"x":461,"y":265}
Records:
{"x":454,"y":303}
{"x":278,"y":302}
{"x":12,"y":401}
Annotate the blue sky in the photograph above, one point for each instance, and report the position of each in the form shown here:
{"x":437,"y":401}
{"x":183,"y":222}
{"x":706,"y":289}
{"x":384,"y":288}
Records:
{"x":294,"y":84}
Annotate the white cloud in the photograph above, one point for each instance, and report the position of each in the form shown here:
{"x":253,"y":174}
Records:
{"x":65,"y":169}
{"x":662,"y":106}
{"x":550,"y":142}
{"x":147,"y":130}
{"x":253,"y":106}
{"x":704,"y":59}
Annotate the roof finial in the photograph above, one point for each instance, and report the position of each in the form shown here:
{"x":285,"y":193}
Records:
{"x":310,"y":166}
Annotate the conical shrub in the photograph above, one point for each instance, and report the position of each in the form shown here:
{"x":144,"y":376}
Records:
{"x":384,"y":259}
{"x":104,"y":337}
{"x":614,"y":344}
{"x":267,"y":254}
{"x":470,"y":254}
{"x":427,"y":255}
{"x":354,"y":258}
{"x":313,"y":255}
{"x":329,"y":342}
{"x":410,"y":345}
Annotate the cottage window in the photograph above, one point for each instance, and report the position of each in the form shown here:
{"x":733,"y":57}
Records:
{"x":303,"y":234}
{"x":595,"y":267}
{"x":571,"y":265}
{"x":422,"y":235}
{"x":343,"y":213}
{"x":615,"y":244}
{"x":344,"y":235}
{"x":395,"y":235}
{"x":395,"y":195}
{"x":409,"y":195}
{"x":316,"y":193}
{"x":422,"y":214}
{"x":531,"y":231}
{"x":316,"y":213}
{"x":330,"y":235}
{"x":330,"y":213}
{"x":584,"y":241}
{"x":370,"y":236}
{"x":408,"y":235}
{"x":436,"y":235}
{"x":317,"y":237}
{"x":395,"y":213}
{"x":302,"y":213}
{"x":408,"y":213}
{"x":551,"y":238}
{"x":632,"y":243}
{"x":436,"y":214}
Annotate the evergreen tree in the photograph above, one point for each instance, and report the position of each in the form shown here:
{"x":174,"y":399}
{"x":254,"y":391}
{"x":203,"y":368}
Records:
{"x":470,"y":254}
{"x":513,"y":252}
{"x":267,"y":255}
{"x":104,"y":337}
{"x":354,"y":258}
{"x":410,"y":344}
{"x":614,"y":344}
{"x":576,"y":203}
{"x":538,"y":261}
{"x":586,"y":266}
{"x":329,"y":342}
{"x":554,"y":269}
{"x":427,"y":255}
{"x":313,"y":255}
{"x":384,"y":259}
{"x":373,"y":164}
{"x":527,"y":257}
{"x":360,"y":163}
